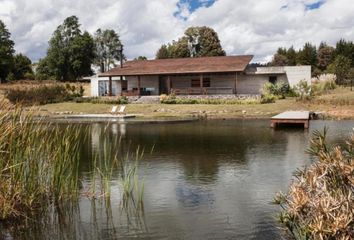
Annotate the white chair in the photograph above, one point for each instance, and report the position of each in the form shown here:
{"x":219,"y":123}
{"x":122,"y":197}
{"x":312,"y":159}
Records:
{"x":120,"y":111}
{"x":114,"y":109}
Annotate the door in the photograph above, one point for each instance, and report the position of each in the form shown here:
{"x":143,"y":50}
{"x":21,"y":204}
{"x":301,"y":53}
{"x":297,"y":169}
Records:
{"x":163,"y":85}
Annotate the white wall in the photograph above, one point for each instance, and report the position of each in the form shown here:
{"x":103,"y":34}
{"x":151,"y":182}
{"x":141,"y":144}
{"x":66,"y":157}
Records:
{"x":297,"y":73}
{"x":96,"y":81}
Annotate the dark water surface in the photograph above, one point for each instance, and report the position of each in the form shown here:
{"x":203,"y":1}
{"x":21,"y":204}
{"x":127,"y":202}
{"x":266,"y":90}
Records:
{"x":203,"y":180}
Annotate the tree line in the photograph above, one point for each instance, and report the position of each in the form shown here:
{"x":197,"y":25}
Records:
{"x":338,"y":59}
{"x":70,"y":54}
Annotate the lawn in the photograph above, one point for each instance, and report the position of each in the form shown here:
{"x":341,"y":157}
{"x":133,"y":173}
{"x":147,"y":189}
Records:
{"x":337,"y":104}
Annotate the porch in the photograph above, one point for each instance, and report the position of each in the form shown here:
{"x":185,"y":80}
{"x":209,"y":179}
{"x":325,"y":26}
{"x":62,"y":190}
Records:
{"x":186,"y":84}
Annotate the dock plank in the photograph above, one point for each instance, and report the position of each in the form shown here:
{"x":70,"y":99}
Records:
{"x":291,"y":117}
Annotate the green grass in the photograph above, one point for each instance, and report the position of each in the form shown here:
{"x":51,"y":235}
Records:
{"x":337,"y":104}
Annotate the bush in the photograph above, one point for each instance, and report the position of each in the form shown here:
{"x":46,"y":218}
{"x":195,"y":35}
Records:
{"x":42,"y":95}
{"x":319,"y":204}
{"x":321,"y":87}
{"x":303,"y":90}
{"x":10,"y":77}
{"x":172,"y":99}
{"x":268,"y":98}
{"x":279,"y":89}
{"x":97,"y":100}
{"x":29,"y":76}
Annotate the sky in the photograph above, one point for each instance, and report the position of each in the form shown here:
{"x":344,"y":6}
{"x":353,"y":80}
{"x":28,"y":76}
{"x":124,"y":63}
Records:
{"x":256,"y":27}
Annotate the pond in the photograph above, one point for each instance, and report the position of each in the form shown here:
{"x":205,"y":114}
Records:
{"x":202,"y":180}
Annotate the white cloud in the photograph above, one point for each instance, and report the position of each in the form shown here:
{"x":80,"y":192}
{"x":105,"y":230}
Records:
{"x":256,"y":27}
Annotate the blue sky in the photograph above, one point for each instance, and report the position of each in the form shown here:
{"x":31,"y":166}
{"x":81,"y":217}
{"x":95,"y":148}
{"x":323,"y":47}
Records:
{"x":315,"y":5}
{"x":191,"y":6}
{"x":256,"y":27}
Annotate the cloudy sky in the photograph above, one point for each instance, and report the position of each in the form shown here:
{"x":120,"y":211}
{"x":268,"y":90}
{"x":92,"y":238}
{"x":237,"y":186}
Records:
{"x":255,"y":27}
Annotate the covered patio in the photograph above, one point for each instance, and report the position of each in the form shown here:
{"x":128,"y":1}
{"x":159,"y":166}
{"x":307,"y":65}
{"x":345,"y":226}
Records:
{"x":183,"y":76}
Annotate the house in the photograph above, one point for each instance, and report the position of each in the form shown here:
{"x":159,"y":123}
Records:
{"x":197,"y":76}
{"x":100,"y":86}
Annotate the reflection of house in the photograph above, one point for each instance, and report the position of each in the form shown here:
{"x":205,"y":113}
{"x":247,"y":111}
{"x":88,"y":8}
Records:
{"x":204,"y":75}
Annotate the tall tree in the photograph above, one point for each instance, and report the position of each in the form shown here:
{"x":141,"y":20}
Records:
{"x":70,"y":53}
{"x":325,"y":56}
{"x":163,"y":52}
{"x":307,"y":55}
{"x":22,"y":66}
{"x":279,"y":60}
{"x":346,"y":49}
{"x":291,"y":55}
{"x":107,"y":43}
{"x":6,"y":51}
{"x":208,"y":44}
{"x":209,"y":41}
{"x":340,"y":67}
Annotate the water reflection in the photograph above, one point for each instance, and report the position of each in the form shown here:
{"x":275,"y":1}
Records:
{"x":204,"y":180}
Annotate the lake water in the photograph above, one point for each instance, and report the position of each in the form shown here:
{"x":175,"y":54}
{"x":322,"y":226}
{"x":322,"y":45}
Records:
{"x":203,"y":180}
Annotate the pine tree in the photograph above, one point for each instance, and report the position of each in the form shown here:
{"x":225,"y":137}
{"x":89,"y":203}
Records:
{"x":107,"y":43}
{"x":6,"y":52}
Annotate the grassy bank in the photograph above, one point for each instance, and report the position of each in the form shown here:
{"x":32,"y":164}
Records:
{"x":337,"y":104}
{"x":334,"y":104}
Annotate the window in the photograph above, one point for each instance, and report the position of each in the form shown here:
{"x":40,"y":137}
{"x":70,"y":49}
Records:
{"x":206,"y":82}
{"x":273,"y":79}
{"x":195,"y":83}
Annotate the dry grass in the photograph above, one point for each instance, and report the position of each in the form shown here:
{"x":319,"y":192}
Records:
{"x":336,"y":104}
{"x":38,"y":163}
{"x":26,"y":84}
{"x":320,"y":202}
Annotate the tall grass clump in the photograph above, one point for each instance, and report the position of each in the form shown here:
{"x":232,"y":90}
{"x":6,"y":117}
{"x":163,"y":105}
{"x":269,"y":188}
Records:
{"x":43,"y":94}
{"x":38,"y":163}
{"x":320,"y":201}
{"x":303,"y":91}
{"x":322,"y":87}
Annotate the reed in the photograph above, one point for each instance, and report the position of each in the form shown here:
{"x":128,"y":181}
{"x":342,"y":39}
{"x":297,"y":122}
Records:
{"x":38,"y":163}
{"x":319,"y":204}
{"x":39,"y":167}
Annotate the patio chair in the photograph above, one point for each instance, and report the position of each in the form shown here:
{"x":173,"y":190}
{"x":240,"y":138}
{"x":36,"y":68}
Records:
{"x":120,"y":111}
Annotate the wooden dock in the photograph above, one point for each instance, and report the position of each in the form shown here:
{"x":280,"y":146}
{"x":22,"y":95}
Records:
{"x":291,"y":117}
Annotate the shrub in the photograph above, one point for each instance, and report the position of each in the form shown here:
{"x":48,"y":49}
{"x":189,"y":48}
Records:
{"x":42,"y":94}
{"x":279,"y":89}
{"x":319,"y":204}
{"x":303,"y":90}
{"x":172,"y":99}
{"x":97,"y":100}
{"x":10,"y":77}
{"x":268,"y":98}
{"x":321,"y":87}
{"x":29,"y":76}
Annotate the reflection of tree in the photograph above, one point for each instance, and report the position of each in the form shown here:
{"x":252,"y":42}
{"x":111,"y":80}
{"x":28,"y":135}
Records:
{"x":193,"y":196}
